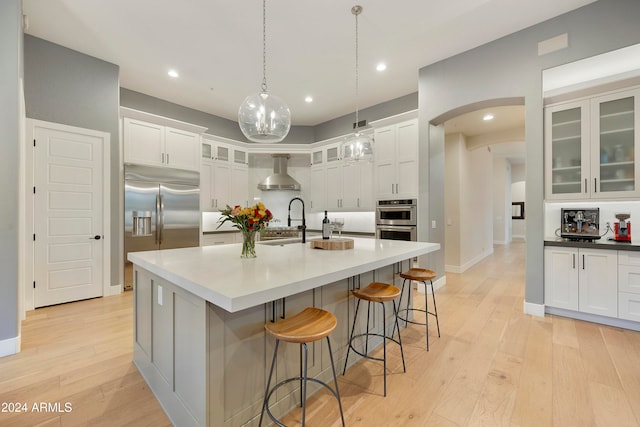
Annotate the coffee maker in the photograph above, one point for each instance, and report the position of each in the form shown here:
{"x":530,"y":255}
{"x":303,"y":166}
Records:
{"x":622,"y":228}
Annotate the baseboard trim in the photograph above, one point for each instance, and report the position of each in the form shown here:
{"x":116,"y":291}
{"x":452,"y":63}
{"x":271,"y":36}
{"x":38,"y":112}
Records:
{"x":113,"y":290}
{"x":10,"y":346}
{"x":534,"y":309}
{"x":462,"y":268}
{"x":587,"y":317}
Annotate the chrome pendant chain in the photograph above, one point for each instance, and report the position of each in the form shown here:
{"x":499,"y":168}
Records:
{"x":264,"y":45}
{"x":356,"y":10}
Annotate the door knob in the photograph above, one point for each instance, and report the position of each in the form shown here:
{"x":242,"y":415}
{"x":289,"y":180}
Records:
{"x":96,"y":237}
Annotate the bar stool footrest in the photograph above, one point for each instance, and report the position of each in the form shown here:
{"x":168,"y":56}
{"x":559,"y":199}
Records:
{"x":414,"y":309}
{"x":370,"y":335}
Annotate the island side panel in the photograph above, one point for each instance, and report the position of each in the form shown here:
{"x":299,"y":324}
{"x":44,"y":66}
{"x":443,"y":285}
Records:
{"x":170,"y":346}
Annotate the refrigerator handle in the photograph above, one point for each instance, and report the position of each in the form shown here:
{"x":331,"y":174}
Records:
{"x":158,"y":219}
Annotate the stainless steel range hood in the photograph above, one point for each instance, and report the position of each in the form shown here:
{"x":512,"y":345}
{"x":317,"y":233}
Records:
{"x":279,"y":180}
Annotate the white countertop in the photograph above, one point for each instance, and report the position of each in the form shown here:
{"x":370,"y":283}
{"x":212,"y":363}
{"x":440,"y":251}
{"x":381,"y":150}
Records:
{"x":218,"y":274}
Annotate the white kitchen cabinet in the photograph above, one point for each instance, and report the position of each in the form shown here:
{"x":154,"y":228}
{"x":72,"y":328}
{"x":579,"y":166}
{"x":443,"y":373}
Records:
{"x":598,"y":282}
{"x":584,"y":280}
{"x":318,"y":193}
{"x":212,"y":239}
{"x":561,"y":278}
{"x":224,"y":178}
{"x":334,"y":186}
{"x":629,"y":285}
{"x":239,"y":185}
{"x":396,"y":161}
{"x":357,"y":187}
{"x":590,"y":147}
{"x":156,"y":145}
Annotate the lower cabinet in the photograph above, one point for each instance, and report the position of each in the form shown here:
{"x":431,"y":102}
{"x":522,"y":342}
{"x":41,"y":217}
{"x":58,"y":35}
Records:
{"x":221,"y":238}
{"x":629,"y":285}
{"x":584,"y":280}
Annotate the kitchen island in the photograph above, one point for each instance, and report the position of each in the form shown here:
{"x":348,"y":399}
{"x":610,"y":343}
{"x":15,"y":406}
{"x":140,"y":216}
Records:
{"x":199,"y":316}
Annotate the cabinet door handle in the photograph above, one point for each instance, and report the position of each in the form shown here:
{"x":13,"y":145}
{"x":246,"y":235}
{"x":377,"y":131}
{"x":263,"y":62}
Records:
{"x":595,"y":185}
{"x":358,"y":202}
{"x":392,"y":189}
{"x":163,"y":158}
{"x":167,"y":158}
{"x":586,"y":188}
{"x":583,"y":261}
{"x":213,"y":205}
{"x":574,"y":260}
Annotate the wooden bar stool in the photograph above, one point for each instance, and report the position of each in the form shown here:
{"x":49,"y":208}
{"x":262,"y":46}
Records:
{"x":419,"y":275}
{"x":380,"y":293}
{"x":311,"y":324}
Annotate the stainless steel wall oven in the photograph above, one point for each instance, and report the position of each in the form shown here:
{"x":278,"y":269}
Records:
{"x":396,"y":220}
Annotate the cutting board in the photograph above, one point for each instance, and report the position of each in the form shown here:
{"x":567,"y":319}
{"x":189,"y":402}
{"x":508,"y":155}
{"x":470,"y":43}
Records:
{"x":337,"y":244}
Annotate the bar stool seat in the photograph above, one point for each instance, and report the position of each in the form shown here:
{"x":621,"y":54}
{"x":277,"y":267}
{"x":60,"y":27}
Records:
{"x":378,"y":293}
{"x":311,"y":324}
{"x":419,"y":275}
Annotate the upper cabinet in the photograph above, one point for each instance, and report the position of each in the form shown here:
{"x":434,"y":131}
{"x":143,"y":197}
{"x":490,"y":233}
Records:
{"x":160,"y":141}
{"x":396,"y":161}
{"x":339,"y":187}
{"x":156,"y":145}
{"x":224,"y":175}
{"x":591,"y":146}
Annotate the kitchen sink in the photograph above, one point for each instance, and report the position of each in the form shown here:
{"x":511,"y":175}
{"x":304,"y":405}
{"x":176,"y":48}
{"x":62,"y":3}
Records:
{"x":280,"y":242}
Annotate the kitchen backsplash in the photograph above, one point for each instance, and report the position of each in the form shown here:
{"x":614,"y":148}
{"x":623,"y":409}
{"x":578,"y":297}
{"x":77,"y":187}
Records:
{"x":608,"y":211}
{"x":278,"y":203}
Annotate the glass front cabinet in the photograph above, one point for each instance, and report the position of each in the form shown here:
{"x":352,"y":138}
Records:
{"x":591,"y":147}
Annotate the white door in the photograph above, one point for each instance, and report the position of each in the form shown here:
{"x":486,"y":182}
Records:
{"x":68,"y":209}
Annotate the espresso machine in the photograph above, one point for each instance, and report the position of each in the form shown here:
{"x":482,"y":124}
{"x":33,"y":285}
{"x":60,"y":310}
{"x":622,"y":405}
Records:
{"x":622,"y":228}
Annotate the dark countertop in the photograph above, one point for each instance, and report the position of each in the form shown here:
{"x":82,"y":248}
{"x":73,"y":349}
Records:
{"x":603,"y":243}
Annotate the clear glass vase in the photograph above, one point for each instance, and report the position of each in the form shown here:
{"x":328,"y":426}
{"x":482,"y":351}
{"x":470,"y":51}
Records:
{"x":248,"y":244}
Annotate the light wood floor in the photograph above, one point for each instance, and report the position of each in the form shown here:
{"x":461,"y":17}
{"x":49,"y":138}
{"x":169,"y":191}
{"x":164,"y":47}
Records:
{"x":493,"y":366}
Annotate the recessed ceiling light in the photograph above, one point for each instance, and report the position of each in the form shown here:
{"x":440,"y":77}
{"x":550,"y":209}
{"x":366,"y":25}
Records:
{"x":381,"y":66}
{"x":487,"y":117}
{"x":173,"y":73}
{"x":308,"y":99}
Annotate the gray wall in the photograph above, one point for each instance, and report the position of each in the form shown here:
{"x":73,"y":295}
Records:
{"x":297,"y":135}
{"x":68,"y":87}
{"x":10,"y":69}
{"x":344,"y":125}
{"x":510,"y":67}
{"x":216,"y":125}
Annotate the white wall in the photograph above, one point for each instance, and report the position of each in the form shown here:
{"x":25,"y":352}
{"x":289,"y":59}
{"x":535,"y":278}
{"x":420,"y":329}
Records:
{"x":454,"y":145}
{"x":470,"y":238}
{"x":501,"y":200}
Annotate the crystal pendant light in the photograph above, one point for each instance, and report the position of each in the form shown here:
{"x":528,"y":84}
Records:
{"x":357,"y":146}
{"x":263,"y":117}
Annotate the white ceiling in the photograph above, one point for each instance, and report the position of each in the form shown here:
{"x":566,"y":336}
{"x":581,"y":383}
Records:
{"x":216,"y":45}
{"x":505,"y":119}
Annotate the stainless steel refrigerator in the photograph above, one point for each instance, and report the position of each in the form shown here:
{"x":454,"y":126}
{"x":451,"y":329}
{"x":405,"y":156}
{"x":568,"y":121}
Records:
{"x":161,"y":211}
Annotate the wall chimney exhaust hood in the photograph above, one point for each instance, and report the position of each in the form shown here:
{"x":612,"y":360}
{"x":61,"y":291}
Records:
{"x":279,"y":180}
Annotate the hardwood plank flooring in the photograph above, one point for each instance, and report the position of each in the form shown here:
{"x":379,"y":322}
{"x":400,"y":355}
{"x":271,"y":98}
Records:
{"x":493,"y":366}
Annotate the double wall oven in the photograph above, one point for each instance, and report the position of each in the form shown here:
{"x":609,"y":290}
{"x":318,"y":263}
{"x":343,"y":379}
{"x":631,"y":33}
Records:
{"x":397,"y":220}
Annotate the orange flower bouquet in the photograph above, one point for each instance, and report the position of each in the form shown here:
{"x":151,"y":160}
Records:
{"x":249,"y":221}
